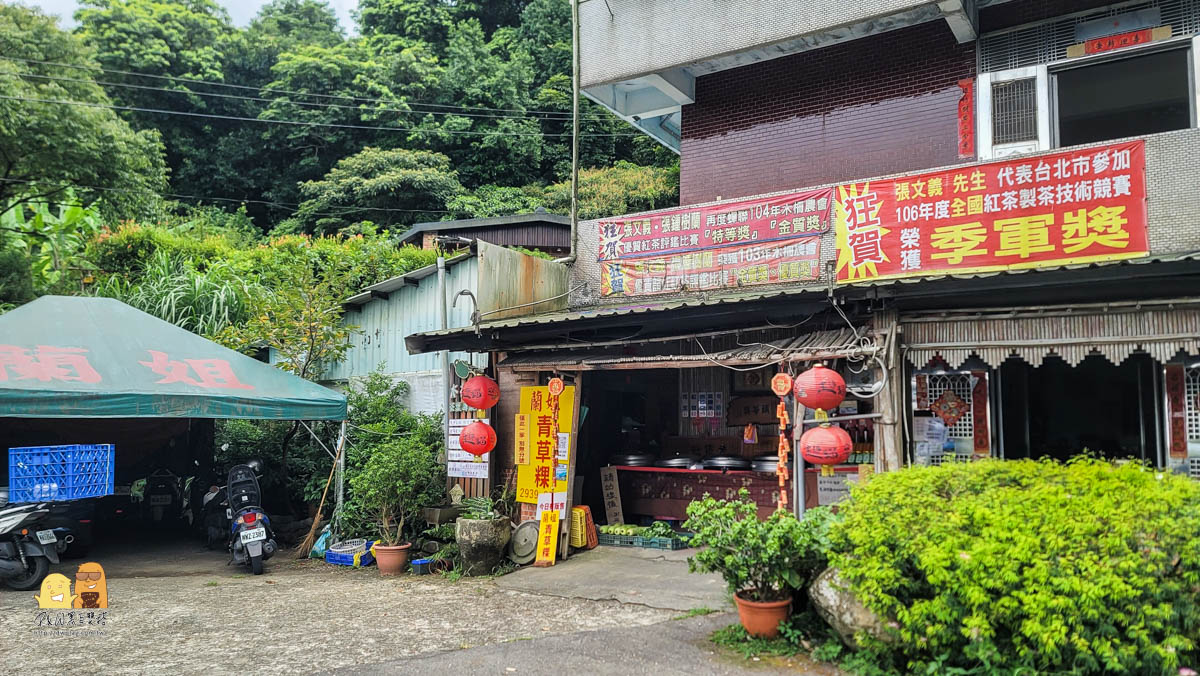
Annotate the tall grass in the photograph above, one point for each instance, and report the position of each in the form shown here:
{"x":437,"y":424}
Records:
{"x":202,"y":301}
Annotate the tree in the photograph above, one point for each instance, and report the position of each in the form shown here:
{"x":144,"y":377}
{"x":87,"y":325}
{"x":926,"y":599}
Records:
{"x":365,"y":185}
{"x":48,"y":148}
{"x":291,"y":22}
{"x":423,"y":20}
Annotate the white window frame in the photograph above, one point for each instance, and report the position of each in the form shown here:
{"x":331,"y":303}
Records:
{"x":1046,"y":113}
{"x":983,"y":127}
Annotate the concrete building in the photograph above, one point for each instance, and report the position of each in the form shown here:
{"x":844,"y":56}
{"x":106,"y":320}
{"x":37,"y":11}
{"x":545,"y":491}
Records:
{"x":983,"y":213}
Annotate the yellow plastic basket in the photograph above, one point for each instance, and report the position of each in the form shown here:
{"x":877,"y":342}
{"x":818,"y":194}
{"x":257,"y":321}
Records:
{"x":578,"y":527}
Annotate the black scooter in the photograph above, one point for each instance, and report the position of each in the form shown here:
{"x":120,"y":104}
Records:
{"x":251,"y":539}
{"x":26,"y":552}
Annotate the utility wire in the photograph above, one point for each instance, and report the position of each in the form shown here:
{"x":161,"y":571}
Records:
{"x":327,"y":125}
{"x":310,"y":104}
{"x":202,"y":198}
{"x":366,"y":99}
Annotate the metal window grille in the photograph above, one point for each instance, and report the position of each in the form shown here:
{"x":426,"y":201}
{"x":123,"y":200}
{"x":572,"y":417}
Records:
{"x":1191,"y":405}
{"x":1194,"y":468}
{"x":960,"y":384}
{"x":1014,"y":111}
{"x":1048,"y":41}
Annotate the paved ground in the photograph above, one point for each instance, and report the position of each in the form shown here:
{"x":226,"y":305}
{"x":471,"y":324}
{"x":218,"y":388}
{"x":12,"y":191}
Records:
{"x":671,"y":648}
{"x":651,"y":577}
{"x":175,"y":607}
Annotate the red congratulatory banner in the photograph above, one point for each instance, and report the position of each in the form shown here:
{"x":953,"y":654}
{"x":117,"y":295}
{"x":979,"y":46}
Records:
{"x":728,"y":245}
{"x":1071,"y":207}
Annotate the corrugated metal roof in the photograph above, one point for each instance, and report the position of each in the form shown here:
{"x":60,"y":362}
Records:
{"x":730,"y":350}
{"x":1145,"y":260}
{"x":542,"y":217}
{"x":407,"y":279}
{"x":420,"y":341}
{"x":621,"y":310}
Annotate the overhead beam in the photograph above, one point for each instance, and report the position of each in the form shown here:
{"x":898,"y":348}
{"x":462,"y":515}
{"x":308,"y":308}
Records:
{"x":381,"y":295}
{"x":962,"y":16}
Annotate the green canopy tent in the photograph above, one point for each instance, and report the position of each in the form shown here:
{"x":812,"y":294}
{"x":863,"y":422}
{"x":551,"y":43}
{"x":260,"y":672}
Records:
{"x":79,"y":358}
{"x":72,"y":357}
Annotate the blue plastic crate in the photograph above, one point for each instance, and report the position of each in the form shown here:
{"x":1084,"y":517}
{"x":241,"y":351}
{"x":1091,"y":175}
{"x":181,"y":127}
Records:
{"x":49,"y":473}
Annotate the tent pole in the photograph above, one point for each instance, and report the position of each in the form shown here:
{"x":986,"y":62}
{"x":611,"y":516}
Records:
{"x":340,"y":460}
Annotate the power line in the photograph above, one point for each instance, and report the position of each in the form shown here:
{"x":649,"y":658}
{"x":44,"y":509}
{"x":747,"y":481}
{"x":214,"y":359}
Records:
{"x":295,"y":103}
{"x":202,"y":198}
{"x":328,"y":125}
{"x":174,"y":78}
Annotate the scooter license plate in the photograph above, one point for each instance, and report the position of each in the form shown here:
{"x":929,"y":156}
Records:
{"x":46,"y":537}
{"x":156,"y":500}
{"x":254,"y":535}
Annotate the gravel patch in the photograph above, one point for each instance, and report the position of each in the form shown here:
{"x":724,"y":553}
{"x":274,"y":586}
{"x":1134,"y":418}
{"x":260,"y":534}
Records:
{"x":300,"y":615}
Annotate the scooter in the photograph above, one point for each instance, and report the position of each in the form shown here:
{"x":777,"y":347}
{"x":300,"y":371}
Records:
{"x":25,"y":552}
{"x":251,"y":540}
{"x":216,"y":516}
{"x":163,"y":496}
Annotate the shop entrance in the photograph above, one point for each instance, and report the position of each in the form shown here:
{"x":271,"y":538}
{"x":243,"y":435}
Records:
{"x":1058,"y":411}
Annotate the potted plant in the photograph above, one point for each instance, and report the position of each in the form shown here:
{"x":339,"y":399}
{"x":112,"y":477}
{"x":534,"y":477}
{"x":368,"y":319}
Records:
{"x":763,"y":561}
{"x":482,"y":533}
{"x":399,"y":478}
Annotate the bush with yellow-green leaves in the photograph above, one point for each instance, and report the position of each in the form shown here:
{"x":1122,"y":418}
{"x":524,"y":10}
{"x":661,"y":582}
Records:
{"x":1027,"y":567}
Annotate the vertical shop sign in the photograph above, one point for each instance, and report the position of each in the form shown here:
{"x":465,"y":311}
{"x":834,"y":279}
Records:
{"x":731,"y":245}
{"x":1176,"y":411}
{"x":547,"y":545}
{"x":966,"y":118}
{"x":1084,"y":205}
{"x":612,"y":495}
{"x":521,"y":441}
{"x":541,"y":474}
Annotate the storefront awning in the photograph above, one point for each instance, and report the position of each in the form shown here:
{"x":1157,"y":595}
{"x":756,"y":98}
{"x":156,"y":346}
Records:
{"x":729,"y":350}
{"x":69,"y":357}
{"x":1160,"y":328}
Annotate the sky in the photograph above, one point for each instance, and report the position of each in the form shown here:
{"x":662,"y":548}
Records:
{"x":241,"y":11}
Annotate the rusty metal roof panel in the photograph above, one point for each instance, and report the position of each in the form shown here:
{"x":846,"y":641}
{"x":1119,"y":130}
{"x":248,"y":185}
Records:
{"x":734,"y":348}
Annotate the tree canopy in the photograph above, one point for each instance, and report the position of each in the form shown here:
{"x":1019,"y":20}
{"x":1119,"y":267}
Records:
{"x":429,"y":110}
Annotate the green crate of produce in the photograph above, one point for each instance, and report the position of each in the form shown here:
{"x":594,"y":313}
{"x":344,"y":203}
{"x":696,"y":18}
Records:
{"x":619,"y":540}
{"x":661,"y":543}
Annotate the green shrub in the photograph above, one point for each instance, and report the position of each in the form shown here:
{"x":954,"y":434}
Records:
{"x":1007,"y":567}
{"x":765,"y":560}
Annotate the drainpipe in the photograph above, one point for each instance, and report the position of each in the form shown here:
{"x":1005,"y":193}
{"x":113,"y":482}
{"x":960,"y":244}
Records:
{"x":441,"y":282}
{"x":569,"y":259}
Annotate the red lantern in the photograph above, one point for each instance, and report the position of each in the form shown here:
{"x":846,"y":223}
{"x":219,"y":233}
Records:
{"x":825,"y":445}
{"x":820,"y":387}
{"x":477,"y":438}
{"x":480,"y":392}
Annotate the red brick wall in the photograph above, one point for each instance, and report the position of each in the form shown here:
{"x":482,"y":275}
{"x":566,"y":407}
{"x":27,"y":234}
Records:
{"x":868,"y":107}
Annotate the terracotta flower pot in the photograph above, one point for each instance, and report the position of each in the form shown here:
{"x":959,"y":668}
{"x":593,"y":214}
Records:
{"x":762,"y":618}
{"x":392,"y":560}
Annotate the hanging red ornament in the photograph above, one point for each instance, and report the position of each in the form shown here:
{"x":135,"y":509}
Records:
{"x":826,"y":445}
{"x":820,"y":387}
{"x":781,"y":384}
{"x":477,"y":438}
{"x":480,"y":392}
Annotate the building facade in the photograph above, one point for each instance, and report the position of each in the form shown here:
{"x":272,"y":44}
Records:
{"x":983,"y":213}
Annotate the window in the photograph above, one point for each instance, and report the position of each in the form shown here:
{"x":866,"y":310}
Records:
{"x":1014,"y":111}
{"x":1131,"y":96}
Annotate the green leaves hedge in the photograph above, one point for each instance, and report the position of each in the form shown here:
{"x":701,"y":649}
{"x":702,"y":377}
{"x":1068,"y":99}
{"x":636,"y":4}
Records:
{"x":1023,"y":567}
